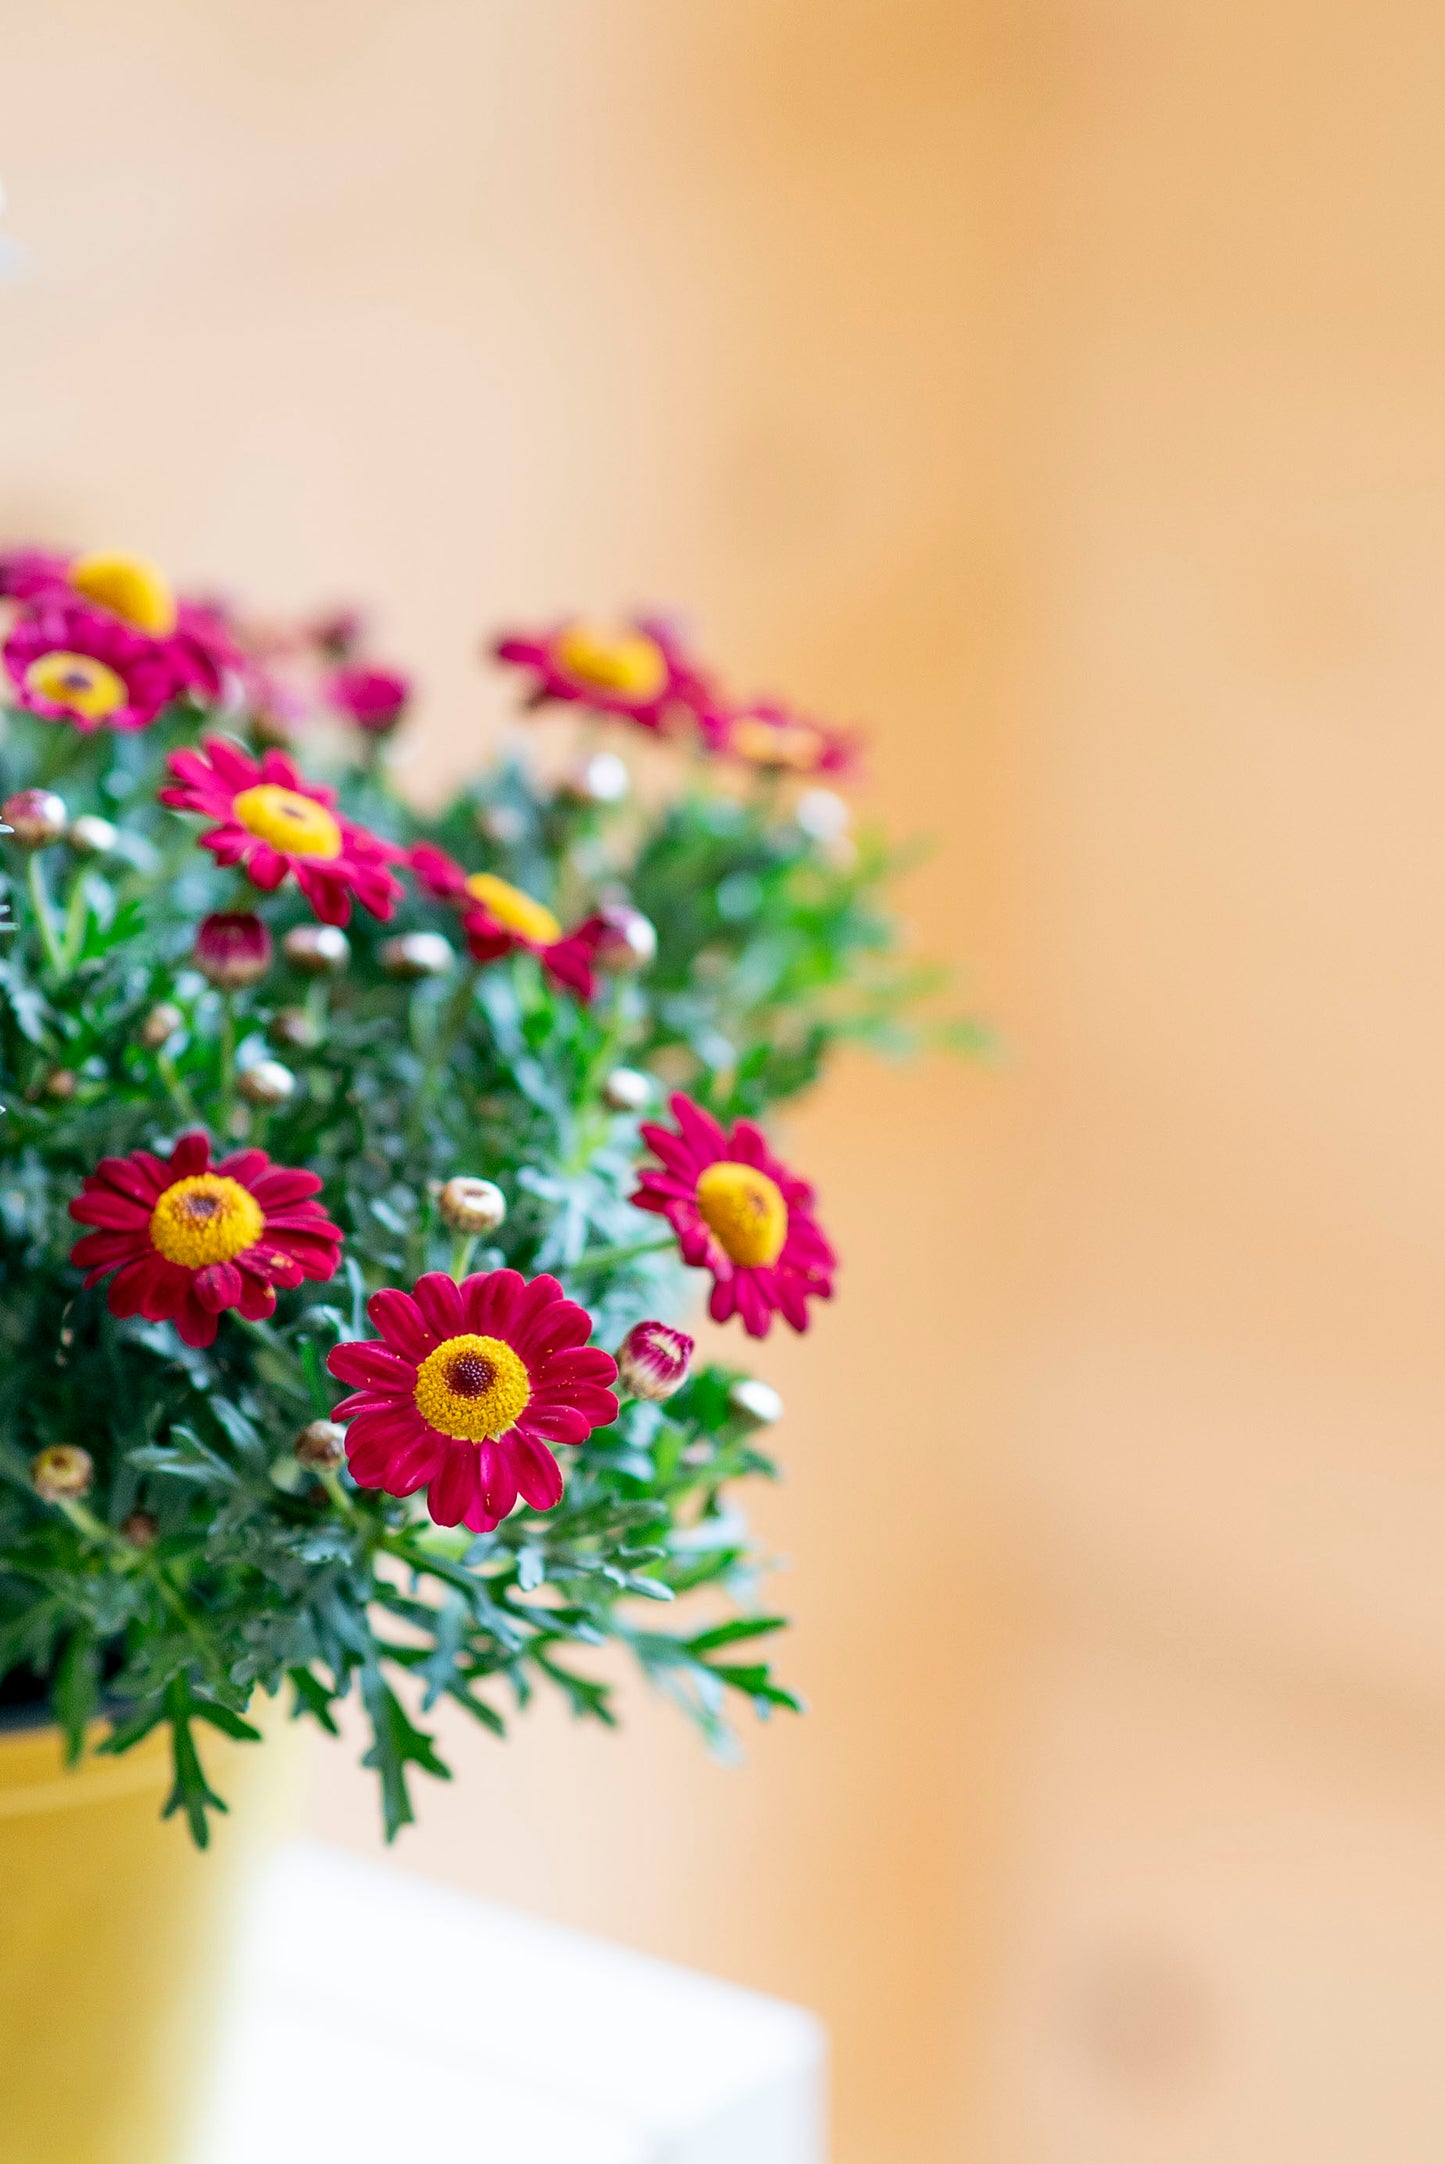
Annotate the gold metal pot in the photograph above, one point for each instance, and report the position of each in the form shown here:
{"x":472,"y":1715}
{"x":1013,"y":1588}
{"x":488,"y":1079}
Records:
{"x":114,"y":1936}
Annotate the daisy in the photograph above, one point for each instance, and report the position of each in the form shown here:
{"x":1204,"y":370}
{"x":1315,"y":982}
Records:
{"x":374,"y":699}
{"x":468,"y":1387}
{"x":273,"y":824}
{"x":187,"y":1239}
{"x":739,"y":1213}
{"x":499,"y":918}
{"x":639,"y":670}
{"x":778,"y":739}
{"x":72,"y":662}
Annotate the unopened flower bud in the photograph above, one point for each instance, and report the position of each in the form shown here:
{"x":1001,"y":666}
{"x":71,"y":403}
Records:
{"x":471,"y":1206}
{"x":141,"y":1529}
{"x":160,"y":1024}
{"x":266,"y":1082}
{"x":61,"y":1084}
{"x":62,"y":1474}
{"x":822,"y":815}
{"x":628,"y":939}
{"x":627,"y":1090}
{"x":653,"y":1360}
{"x":296,"y":1028}
{"x":416,"y":954}
{"x":501,"y":823}
{"x":232,"y":949}
{"x":36,"y":817}
{"x":756,"y":1402}
{"x":317,"y":950}
{"x":90,"y":835}
{"x":321,"y":1445}
{"x":374,"y":699}
{"x":602,"y":779}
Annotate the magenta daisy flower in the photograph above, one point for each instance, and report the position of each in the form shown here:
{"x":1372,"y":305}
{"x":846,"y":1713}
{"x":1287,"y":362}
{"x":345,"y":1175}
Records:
{"x":499,"y":918}
{"x":639,"y":670}
{"x":274,"y":824}
{"x":468,"y":1389}
{"x":740,"y":1213}
{"x":187,"y":1239}
{"x":72,"y":662}
{"x":374,"y":699}
{"x":778,"y":739}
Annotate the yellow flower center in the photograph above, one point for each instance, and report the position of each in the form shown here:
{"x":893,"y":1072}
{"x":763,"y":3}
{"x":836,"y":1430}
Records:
{"x":288,"y":820}
{"x":747,"y":1212}
{"x":472,"y":1388}
{"x":206,"y":1218}
{"x":623,"y":661}
{"x":777,"y":743}
{"x":514,"y":910}
{"x":130,"y":587}
{"x":78,"y":681}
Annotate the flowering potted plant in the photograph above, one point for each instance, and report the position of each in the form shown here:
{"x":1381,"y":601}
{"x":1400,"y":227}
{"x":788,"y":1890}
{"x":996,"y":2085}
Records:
{"x":360,"y":1169}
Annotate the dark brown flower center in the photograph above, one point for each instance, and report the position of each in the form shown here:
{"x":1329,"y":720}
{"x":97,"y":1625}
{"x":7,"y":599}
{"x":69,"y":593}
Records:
{"x":470,"y":1375}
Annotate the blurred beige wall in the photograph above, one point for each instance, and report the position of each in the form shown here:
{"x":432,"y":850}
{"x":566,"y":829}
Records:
{"x":1054,"y":385}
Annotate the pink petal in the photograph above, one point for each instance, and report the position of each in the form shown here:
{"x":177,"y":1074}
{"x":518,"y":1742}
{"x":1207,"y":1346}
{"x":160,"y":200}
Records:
{"x":399,"y":1319}
{"x":441,"y":1306}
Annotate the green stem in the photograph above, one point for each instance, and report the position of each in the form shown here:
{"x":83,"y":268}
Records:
{"x":610,"y":1258}
{"x":228,"y":1061}
{"x":463,"y":1248}
{"x":331,"y":1482}
{"x":75,"y":916}
{"x":176,"y":1089}
{"x":87,"y":1524}
{"x":45,"y":922}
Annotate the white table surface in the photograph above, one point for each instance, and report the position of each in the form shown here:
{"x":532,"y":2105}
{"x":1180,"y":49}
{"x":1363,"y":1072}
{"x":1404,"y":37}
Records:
{"x":381,"y":2018}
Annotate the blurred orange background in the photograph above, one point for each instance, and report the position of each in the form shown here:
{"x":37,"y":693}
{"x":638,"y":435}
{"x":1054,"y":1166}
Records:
{"x":1053,"y":385}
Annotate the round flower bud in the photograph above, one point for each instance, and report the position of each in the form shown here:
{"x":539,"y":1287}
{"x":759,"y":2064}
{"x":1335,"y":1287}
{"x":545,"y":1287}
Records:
{"x":471,"y":1206}
{"x":160,"y":1024}
{"x":627,"y":1090}
{"x":317,"y":950}
{"x":501,"y":823}
{"x":90,"y":835}
{"x":628,"y":939}
{"x":62,"y":1474}
{"x":61,"y":1084}
{"x":416,"y":954}
{"x":233,"y":948}
{"x":602,"y":779}
{"x":375,"y":699}
{"x":321,"y":1445}
{"x":653,"y":1360}
{"x":36,"y":817}
{"x":295,"y":1028}
{"x":822,"y":815}
{"x":266,"y":1082}
{"x":141,"y":1529}
{"x":756,"y":1402}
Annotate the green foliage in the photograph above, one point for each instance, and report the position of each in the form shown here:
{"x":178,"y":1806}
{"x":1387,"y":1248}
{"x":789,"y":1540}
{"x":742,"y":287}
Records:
{"x":261,"y":1577}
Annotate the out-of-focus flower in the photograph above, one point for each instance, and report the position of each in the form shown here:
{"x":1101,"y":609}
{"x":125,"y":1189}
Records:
{"x":90,"y":835}
{"x":160,"y":1025}
{"x":142,"y":1528}
{"x":36,"y":817}
{"x":467,"y":1392}
{"x":296,"y":1028}
{"x":375,"y":699}
{"x":778,"y":739}
{"x":63,"y":1473}
{"x":499,"y":918}
{"x":232,"y":948}
{"x":187,"y":1239}
{"x":71,"y":661}
{"x":275,"y":825}
{"x":61,"y":1084}
{"x":339,"y":633}
{"x":470,"y":1205}
{"x":321,"y":1445}
{"x":639,"y":670}
{"x":600,"y":780}
{"x":653,"y":1360}
{"x":740,"y":1213}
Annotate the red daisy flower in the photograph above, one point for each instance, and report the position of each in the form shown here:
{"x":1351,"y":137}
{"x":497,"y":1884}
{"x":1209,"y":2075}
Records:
{"x":375,"y":699}
{"x":467,"y":1388}
{"x":498,"y":918}
{"x":639,"y":670}
{"x":741,"y":1214}
{"x":770,"y":735}
{"x":72,"y":662}
{"x":272,"y":823}
{"x":188,"y":1239}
